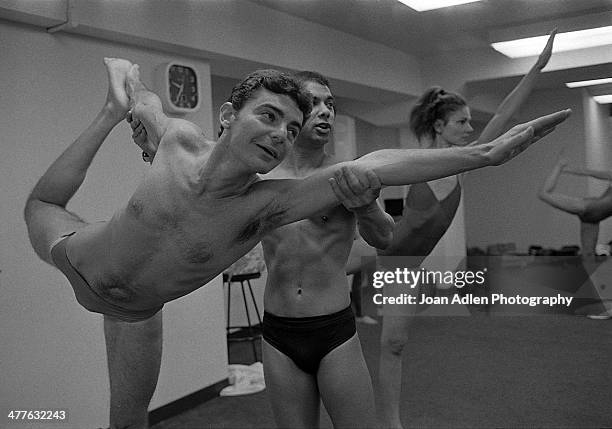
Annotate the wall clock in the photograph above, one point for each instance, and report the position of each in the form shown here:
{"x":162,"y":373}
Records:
{"x":179,"y":87}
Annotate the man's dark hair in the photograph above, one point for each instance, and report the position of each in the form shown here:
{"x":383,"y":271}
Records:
{"x":311,"y":76}
{"x":274,"y":81}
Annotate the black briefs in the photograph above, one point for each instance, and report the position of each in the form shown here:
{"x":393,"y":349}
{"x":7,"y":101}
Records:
{"x":307,"y":340}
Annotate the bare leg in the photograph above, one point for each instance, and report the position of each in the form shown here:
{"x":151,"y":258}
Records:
{"x":589,"y":233}
{"x":346,"y":387}
{"x":293,"y":394}
{"x":134,"y":357}
{"x":356,"y":294}
{"x":45,"y":212}
{"x":572,"y":205}
{"x":393,"y":339}
{"x":394,"y":336}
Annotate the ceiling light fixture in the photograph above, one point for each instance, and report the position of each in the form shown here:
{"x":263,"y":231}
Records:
{"x":582,"y":83}
{"x":603,"y":99}
{"x":572,"y":40}
{"x":421,"y":5}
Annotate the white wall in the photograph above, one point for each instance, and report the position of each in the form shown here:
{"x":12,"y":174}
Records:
{"x":52,"y":353}
{"x":501,"y":203}
{"x":238,"y":36}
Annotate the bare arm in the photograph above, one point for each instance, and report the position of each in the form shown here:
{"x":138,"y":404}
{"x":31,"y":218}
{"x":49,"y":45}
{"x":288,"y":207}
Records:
{"x":562,"y":202}
{"x":551,"y":181}
{"x":375,"y":225}
{"x":358,"y":194}
{"x":598,"y":174}
{"x":61,"y":181}
{"x":150,"y":125}
{"x":517,"y":97}
{"x":298,"y":199}
{"x":146,"y":107}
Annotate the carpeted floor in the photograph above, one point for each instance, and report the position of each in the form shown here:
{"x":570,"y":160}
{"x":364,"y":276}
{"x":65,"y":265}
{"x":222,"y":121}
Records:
{"x":478,"y":371}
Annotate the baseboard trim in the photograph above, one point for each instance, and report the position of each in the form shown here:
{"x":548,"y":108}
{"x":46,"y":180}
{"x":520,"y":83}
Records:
{"x":186,"y":402}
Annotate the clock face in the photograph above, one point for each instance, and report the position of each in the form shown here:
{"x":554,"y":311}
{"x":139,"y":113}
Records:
{"x":183,"y":86}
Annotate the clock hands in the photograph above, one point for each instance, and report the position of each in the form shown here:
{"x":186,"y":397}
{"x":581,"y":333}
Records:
{"x":178,"y":95}
{"x":181,"y":87}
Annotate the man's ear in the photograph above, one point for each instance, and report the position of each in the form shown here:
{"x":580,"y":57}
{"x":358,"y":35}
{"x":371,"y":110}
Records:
{"x":227,"y":114}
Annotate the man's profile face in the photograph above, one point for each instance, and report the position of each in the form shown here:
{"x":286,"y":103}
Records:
{"x":319,"y":125}
{"x":265,"y":128}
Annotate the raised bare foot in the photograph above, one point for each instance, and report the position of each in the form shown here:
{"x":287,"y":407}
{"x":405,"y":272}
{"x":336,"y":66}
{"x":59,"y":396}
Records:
{"x":117,"y":100}
{"x":132,"y":82}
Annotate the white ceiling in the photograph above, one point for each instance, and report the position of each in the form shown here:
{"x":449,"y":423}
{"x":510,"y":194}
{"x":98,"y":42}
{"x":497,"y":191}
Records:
{"x":465,"y":27}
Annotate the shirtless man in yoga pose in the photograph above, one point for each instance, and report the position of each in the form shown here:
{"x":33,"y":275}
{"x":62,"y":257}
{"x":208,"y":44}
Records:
{"x":199,"y":208}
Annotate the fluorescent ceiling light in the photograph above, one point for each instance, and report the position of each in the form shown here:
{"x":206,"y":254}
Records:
{"x":569,"y":41}
{"x":581,"y":83}
{"x":603,"y":99}
{"x":421,"y":5}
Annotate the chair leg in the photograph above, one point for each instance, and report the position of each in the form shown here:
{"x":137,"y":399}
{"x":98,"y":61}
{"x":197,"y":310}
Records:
{"x":227,"y":325}
{"x":246,"y":309}
{"x":254,"y":303}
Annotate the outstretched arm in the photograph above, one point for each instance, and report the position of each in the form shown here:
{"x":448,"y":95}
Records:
{"x":551,"y":181}
{"x":64,"y":177}
{"x":597,"y":174}
{"x":358,"y":194}
{"x":297,"y":199}
{"x":403,"y":167}
{"x":517,"y":97}
{"x":562,"y":202}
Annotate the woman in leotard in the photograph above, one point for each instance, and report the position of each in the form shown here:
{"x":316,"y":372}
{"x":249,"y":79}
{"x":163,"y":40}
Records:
{"x":440,"y":119}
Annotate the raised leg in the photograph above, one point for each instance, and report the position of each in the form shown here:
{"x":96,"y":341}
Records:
{"x":566,"y":203}
{"x":134,"y":353}
{"x":45,"y":212}
{"x":346,"y":387}
{"x":293,"y":394}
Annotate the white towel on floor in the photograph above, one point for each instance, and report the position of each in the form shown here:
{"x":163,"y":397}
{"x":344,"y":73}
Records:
{"x":244,"y":380}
